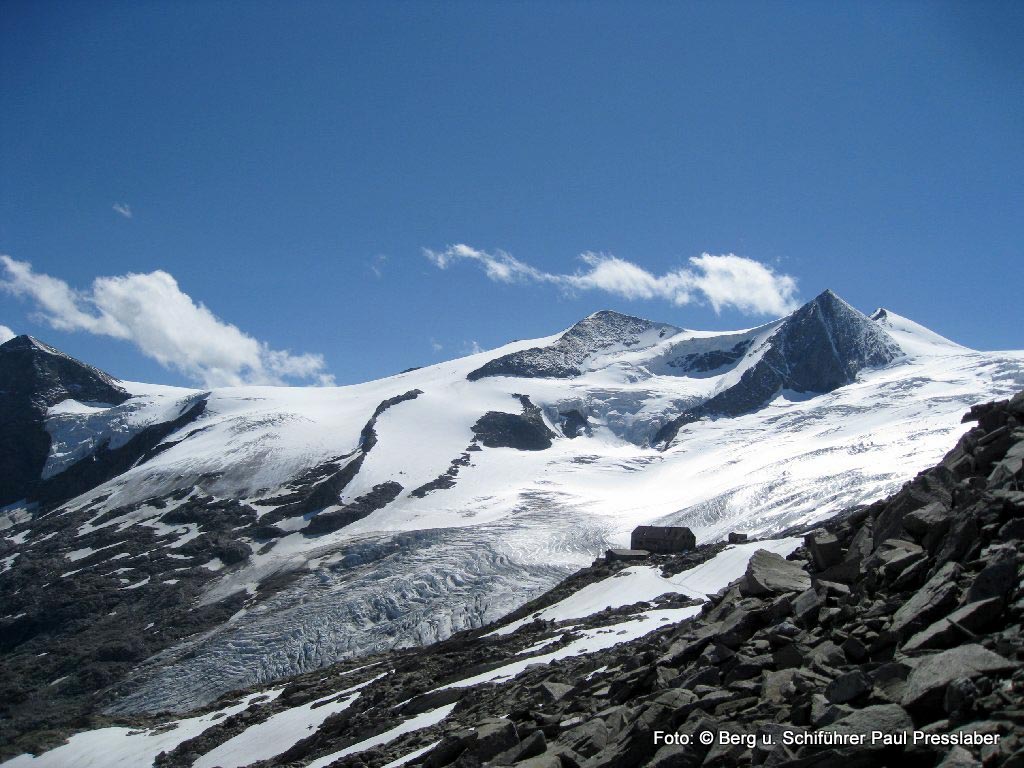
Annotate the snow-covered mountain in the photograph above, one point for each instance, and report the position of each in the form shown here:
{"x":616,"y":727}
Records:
{"x":173,"y":544}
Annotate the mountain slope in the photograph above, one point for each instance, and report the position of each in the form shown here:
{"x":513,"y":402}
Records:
{"x":33,"y":377}
{"x":258,"y":532}
{"x":602,"y":333}
{"x":819,"y":348}
{"x":896,"y":617}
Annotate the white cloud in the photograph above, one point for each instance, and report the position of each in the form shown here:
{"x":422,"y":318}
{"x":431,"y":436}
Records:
{"x":472,"y":348}
{"x":377,"y":265}
{"x":745,"y":284}
{"x":152,"y":312}
{"x":725,"y":281}
{"x":499,"y":266}
{"x":436,"y":345}
{"x":122,"y":209}
{"x":6,"y":334}
{"x":58,"y":303}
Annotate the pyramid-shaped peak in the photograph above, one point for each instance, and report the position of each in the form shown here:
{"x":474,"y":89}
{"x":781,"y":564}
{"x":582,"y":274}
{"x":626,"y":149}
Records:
{"x":612,"y":315}
{"x":33,"y":370}
{"x":24,"y":341}
{"x":826,"y":342}
{"x":830,"y":301}
{"x":608,"y":321}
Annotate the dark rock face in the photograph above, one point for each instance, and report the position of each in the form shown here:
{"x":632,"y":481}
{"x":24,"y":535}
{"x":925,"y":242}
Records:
{"x":820,"y":347}
{"x":564,"y":358}
{"x":574,"y":424}
{"x":379,"y":497}
{"x":447,"y":478}
{"x":105,"y":463}
{"x":712,"y":360}
{"x":33,"y":377}
{"x":524,"y":432}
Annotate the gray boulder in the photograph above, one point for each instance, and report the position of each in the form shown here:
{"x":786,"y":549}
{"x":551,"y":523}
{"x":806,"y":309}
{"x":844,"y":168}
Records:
{"x":938,"y":594}
{"x":888,"y":718}
{"x":928,"y":524}
{"x":958,"y":757}
{"x":947,"y":631}
{"x":826,"y":550}
{"x":896,"y":555}
{"x":927,"y":683}
{"x":998,"y":578}
{"x":770,"y":574}
{"x":494,"y":737}
{"x":847,"y":687}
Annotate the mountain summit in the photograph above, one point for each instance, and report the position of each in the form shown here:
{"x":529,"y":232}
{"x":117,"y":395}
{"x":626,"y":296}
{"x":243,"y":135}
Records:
{"x":602,"y":332}
{"x":33,"y":377}
{"x":820,"y":347}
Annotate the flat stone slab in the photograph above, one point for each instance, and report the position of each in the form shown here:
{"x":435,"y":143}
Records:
{"x":769,"y":574}
{"x":928,"y":680}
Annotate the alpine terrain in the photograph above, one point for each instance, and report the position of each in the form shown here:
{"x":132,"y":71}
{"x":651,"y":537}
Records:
{"x":163,"y":547}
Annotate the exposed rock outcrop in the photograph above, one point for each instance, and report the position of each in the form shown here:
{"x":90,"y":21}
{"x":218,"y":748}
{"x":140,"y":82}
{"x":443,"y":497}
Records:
{"x":820,"y":347}
{"x":524,"y":431}
{"x":33,"y":377}
{"x":565,"y":358}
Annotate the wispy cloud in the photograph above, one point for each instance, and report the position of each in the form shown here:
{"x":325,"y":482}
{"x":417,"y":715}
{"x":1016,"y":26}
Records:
{"x":6,"y":334}
{"x":471,"y":347}
{"x":436,"y":345}
{"x":377,"y":265}
{"x":152,"y":312}
{"x":123,"y":209}
{"x":724,"y":281}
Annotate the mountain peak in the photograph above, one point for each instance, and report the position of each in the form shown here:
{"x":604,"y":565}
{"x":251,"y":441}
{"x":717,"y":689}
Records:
{"x":33,"y":377}
{"x":24,"y":341}
{"x":820,"y":347}
{"x":913,"y":338}
{"x":31,"y":369}
{"x":611,"y":315}
{"x":830,"y":302}
{"x":600,"y":332}
{"x":612,"y":326}
{"x":824,"y":343}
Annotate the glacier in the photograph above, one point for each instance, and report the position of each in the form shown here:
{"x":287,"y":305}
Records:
{"x":507,"y":524}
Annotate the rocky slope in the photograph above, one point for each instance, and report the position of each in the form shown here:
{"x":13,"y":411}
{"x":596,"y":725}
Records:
{"x":179,"y":544}
{"x":900,"y":617}
{"x":33,"y":377}
{"x":820,"y":347}
{"x":599,"y":334}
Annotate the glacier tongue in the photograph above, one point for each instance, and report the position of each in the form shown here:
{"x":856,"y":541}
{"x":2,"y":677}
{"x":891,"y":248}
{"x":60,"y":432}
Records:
{"x":379,"y":593}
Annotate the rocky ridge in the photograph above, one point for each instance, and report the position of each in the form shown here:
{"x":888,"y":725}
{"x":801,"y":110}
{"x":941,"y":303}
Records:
{"x":34,"y":376}
{"x":820,"y":347}
{"x":565,"y":358}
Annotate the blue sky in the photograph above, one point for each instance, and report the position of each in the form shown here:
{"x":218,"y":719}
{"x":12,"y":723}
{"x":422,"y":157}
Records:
{"x":285,"y":166}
